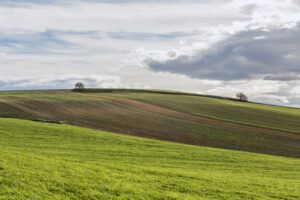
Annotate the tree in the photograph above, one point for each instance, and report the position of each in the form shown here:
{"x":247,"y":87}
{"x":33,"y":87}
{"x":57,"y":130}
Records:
{"x":241,"y":96}
{"x":79,"y":86}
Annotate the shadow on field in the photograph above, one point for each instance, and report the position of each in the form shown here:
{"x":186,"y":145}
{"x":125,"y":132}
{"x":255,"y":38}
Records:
{"x":47,"y":121}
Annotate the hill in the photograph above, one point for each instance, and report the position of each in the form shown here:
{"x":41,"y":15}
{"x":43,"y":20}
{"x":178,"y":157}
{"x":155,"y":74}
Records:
{"x":165,"y":115}
{"x":56,"y":161}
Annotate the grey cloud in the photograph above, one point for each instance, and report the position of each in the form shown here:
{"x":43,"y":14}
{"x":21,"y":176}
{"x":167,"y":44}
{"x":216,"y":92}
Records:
{"x":297,"y":2}
{"x":282,"y":77}
{"x":249,"y":9}
{"x":246,"y":55}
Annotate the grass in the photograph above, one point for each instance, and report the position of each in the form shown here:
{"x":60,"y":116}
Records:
{"x":262,"y":115}
{"x":164,"y":115}
{"x":55,"y":161}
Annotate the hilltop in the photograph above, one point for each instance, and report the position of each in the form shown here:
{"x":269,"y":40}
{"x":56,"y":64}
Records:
{"x":165,"y":115}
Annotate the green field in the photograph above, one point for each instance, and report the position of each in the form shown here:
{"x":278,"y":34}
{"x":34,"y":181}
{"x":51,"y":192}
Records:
{"x":165,"y":115}
{"x":275,"y":117}
{"x":56,"y":161}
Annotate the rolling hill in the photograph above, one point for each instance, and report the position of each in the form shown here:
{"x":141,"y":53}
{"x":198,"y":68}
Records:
{"x":165,"y":115}
{"x":61,"y":162}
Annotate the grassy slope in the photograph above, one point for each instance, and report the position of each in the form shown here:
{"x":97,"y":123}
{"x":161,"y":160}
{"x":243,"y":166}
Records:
{"x":115,"y":111}
{"x":275,"y":117}
{"x":50,"y":161}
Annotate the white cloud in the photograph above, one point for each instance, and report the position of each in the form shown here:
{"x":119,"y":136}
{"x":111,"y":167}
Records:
{"x":97,"y":39}
{"x":130,"y":17}
{"x":260,"y":37}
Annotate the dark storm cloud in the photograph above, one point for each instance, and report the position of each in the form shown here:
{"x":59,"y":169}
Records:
{"x":246,"y":55}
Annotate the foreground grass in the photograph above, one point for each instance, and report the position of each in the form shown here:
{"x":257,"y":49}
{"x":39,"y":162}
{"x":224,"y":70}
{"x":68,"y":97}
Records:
{"x":50,"y":161}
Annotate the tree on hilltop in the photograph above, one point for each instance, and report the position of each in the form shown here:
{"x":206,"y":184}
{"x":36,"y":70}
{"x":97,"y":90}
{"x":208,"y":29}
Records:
{"x":241,"y":96}
{"x":79,"y":86}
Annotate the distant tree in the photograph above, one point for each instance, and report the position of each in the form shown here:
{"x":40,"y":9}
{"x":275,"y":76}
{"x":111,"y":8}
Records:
{"x":241,"y":96}
{"x":79,"y":86}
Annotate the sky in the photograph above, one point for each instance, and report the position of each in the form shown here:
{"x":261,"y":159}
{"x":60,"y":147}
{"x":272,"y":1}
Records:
{"x":214,"y":47}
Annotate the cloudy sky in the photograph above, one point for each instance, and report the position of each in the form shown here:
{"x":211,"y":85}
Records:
{"x":216,"y":47}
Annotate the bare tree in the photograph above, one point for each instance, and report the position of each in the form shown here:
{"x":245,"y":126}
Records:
{"x":241,"y":96}
{"x":79,"y":86}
